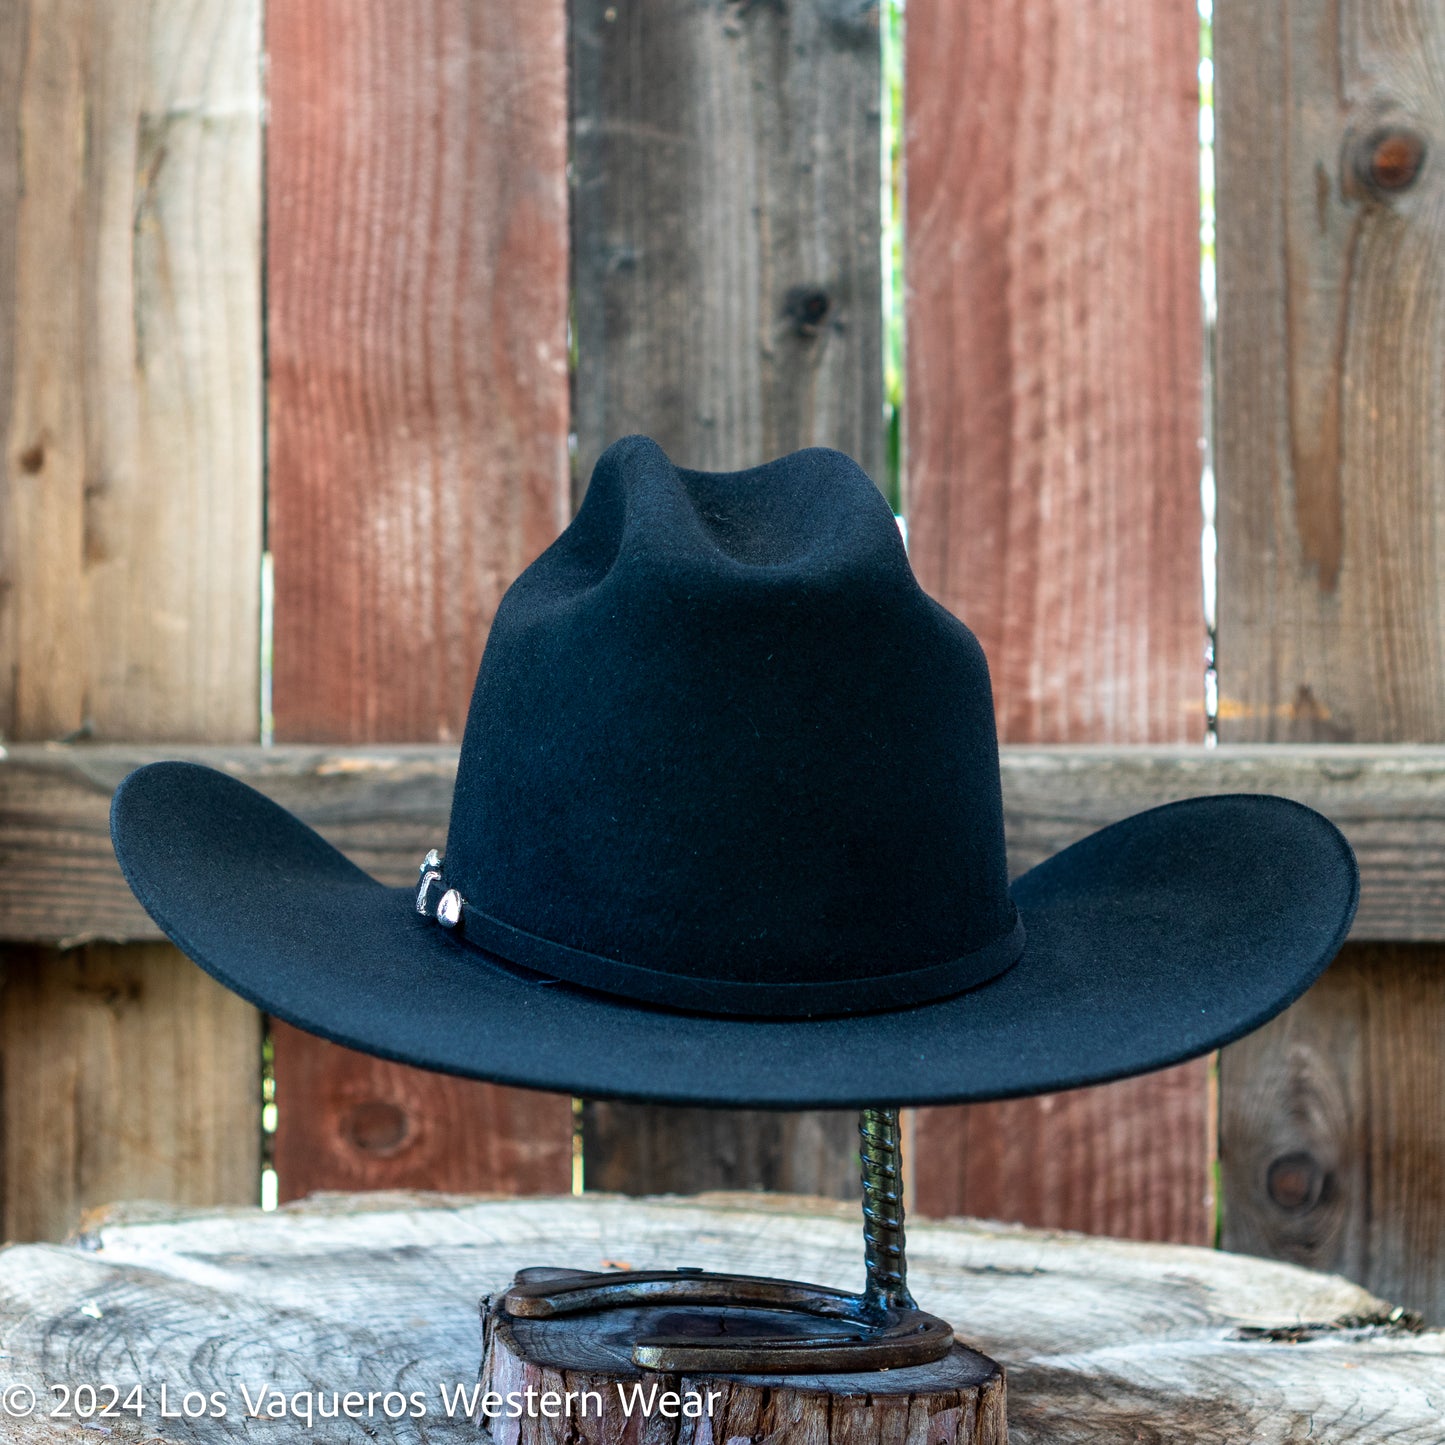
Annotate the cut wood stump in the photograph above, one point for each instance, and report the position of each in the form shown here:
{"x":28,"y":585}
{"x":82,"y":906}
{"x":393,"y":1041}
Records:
{"x":1103,"y":1342}
{"x":579,"y":1369}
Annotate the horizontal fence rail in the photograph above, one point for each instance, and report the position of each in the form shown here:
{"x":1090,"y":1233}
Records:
{"x":385,"y":806}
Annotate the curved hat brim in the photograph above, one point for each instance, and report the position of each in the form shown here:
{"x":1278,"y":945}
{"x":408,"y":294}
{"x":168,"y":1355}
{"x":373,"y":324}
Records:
{"x":1149,"y":942}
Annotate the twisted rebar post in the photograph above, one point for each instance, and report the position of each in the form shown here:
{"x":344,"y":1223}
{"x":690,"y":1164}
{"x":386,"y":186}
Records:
{"x":883,"y":1254}
{"x":882,"y":1328}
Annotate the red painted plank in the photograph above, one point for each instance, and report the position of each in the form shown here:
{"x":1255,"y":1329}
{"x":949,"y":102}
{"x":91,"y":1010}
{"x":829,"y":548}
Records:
{"x":377,"y":1126}
{"x":1052,"y":482}
{"x":417,"y":273}
{"x":1077,"y":1160}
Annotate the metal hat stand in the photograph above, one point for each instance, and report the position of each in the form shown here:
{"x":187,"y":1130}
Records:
{"x":814,"y":1352}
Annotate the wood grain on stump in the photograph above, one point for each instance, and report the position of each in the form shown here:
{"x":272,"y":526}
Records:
{"x":1103,"y":1342}
{"x":584,"y":1362}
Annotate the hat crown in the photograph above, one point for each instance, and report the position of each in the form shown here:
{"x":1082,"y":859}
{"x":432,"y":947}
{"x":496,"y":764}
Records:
{"x":720,"y":735}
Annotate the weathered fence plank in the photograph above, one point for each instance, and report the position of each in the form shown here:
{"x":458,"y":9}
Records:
{"x":1331,"y":457}
{"x":127,"y":1074}
{"x":418,"y":399}
{"x":383,"y":806}
{"x":725,"y":229}
{"x":693,"y":1150}
{"x":1333,"y":1138}
{"x":379,"y":1129}
{"x":1139,"y":1176}
{"x":130,"y":392}
{"x":132,"y":477}
{"x":1331,"y":337}
{"x":1053,"y":423}
{"x":726,"y":271}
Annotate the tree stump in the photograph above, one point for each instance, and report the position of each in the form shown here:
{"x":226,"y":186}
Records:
{"x":572,"y":1378}
{"x":1104,"y":1342}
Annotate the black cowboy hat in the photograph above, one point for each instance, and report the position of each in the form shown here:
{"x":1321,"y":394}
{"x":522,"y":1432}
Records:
{"x":727,"y":829}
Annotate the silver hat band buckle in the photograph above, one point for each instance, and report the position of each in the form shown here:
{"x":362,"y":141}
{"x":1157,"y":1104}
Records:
{"x":448,"y":908}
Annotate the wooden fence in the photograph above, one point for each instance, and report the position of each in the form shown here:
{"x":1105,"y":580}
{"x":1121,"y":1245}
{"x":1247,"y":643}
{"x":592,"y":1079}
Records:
{"x":335,"y":281}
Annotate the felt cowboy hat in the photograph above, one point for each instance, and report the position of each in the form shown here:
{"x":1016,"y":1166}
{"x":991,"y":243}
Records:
{"x":727,"y":829}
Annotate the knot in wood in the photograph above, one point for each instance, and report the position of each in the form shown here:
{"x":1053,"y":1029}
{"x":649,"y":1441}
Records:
{"x":1296,"y":1181}
{"x":376,"y":1126}
{"x":807,"y":307}
{"x":1392,"y":158}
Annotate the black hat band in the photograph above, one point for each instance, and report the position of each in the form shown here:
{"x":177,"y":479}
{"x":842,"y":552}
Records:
{"x":877,"y":994}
